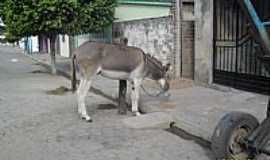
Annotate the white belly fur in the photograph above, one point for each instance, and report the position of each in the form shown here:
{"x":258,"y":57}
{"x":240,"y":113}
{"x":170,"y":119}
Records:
{"x":115,"y":74}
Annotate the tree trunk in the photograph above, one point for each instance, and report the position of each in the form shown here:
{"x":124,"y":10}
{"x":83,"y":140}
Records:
{"x":52,"y":54}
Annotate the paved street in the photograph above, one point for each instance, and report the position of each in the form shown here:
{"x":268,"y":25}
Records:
{"x":36,"y":125}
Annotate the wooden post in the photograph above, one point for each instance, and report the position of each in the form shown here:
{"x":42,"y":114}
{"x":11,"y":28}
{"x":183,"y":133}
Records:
{"x":122,"y":107}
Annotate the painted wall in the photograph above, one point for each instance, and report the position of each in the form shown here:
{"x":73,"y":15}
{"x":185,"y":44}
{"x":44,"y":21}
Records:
{"x":35,"y":46}
{"x":204,"y":41}
{"x":154,"y":36}
{"x":80,"y":39}
{"x":64,"y":45}
{"x":135,"y":11}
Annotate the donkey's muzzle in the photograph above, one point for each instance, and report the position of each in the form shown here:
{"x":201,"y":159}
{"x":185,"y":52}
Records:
{"x":166,"y":87}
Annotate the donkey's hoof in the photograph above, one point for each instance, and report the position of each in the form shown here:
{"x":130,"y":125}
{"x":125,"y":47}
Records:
{"x":122,"y":111}
{"x":87,"y":119}
{"x":136,"y":113}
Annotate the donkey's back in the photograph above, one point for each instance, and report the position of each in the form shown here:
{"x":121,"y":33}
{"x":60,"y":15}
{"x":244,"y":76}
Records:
{"x":109,"y":57}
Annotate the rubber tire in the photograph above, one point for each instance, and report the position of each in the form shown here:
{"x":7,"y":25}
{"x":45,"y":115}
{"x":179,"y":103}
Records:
{"x":225,"y":128}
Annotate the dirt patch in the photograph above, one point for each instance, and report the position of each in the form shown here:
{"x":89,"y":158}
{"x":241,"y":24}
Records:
{"x":106,"y":106}
{"x":37,"y":64}
{"x":58,"y":91}
{"x":167,"y":105}
{"x":181,"y":84}
{"x":40,"y":72}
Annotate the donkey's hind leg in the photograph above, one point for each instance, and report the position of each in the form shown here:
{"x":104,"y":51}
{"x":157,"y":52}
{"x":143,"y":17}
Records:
{"x":82,"y":93}
{"x":135,"y":93}
{"x":79,"y":91}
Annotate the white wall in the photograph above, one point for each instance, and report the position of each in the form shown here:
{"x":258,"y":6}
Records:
{"x":35,"y":47}
{"x":82,"y":38}
{"x":64,"y":45}
{"x":204,"y":41}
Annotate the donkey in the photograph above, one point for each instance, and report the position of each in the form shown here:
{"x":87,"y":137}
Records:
{"x":117,"y":62}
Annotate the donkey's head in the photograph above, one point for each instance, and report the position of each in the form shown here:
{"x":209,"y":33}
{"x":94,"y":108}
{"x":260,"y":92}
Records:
{"x":158,"y":71}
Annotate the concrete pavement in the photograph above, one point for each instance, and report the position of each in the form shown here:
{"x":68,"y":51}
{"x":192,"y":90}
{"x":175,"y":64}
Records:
{"x":195,"y":109}
{"x":108,"y":88}
{"x":35,"y":125}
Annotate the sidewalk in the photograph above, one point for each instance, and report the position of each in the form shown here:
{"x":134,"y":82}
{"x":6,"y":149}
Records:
{"x":195,"y":109}
{"x":100,"y":84}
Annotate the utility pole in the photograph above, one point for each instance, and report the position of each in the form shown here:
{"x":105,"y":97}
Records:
{"x":178,"y":43}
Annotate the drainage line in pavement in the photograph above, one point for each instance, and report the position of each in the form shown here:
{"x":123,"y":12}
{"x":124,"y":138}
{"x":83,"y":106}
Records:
{"x":187,"y":136}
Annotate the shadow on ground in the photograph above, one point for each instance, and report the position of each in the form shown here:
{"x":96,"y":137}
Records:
{"x":189,"y":137}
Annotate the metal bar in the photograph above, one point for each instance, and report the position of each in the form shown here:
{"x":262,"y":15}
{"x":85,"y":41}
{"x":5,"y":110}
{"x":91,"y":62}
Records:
{"x":236,"y":38}
{"x":246,"y":57}
{"x":227,"y":59}
{"x":232,"y":55}
{"x":215,"y":20}
{"x":224,"y":20}
{"x":257,"y":24}
{"x":227,"y":12}
{"x":225,"y":30}
{"x":251,"y":59}
{"x":233,"y":20}
{"x":223,"y":56}
{"x":220,"y":59}
{"x":266,"y":24}
{"x":220,"y":18}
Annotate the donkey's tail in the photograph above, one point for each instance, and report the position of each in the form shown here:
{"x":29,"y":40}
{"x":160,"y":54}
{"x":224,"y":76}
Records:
{"x":73,"y":73}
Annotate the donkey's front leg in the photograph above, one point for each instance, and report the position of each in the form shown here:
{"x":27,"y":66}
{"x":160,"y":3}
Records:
{"x":82,"y":93}
{"x":135,"y":95}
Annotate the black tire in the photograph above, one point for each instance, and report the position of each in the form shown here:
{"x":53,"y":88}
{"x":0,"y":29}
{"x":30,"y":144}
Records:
{"x":228,"y":128}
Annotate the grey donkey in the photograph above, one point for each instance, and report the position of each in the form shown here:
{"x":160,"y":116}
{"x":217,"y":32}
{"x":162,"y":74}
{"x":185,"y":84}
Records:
{"x":116,"y":62}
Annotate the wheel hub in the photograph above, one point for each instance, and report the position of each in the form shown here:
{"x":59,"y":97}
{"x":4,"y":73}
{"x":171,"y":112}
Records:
{"x":237,"y":149}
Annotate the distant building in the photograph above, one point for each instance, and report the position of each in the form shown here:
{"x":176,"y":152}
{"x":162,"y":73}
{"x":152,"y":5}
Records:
{"x":2,"y":30}
{"x":1,"y":23}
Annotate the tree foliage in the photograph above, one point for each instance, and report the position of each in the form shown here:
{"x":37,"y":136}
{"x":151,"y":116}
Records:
{"x":51,"y":17}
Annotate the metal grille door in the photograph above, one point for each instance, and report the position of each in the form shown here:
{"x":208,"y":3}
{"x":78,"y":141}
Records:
{"x":235,"y":61}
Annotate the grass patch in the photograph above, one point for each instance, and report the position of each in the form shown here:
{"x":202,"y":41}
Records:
{"x":58,"y":91}
{"x":106,"y":106}
{"x":40,"y":72}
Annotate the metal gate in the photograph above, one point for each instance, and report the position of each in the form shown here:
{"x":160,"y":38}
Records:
{"x":235,"y":62}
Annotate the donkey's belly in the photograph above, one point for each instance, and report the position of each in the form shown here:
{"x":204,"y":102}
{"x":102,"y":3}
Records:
{"x":115,"y":74}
